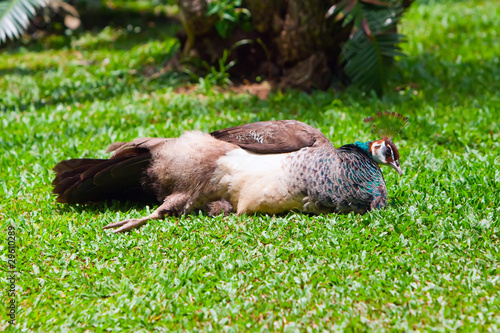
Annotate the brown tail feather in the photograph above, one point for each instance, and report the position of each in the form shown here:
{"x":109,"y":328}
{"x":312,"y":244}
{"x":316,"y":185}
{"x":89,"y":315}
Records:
{"x":120,"y":177}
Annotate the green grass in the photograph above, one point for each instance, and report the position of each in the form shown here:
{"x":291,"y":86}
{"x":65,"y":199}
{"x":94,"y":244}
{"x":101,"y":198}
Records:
{"x":430,"y":261}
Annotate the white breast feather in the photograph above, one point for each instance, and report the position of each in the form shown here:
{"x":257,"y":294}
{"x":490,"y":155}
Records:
{"x":256,"y":182}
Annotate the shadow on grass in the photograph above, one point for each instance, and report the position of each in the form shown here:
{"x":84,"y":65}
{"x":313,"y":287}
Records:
{"x":128,"y":205}
{"x":145,"y":37}
{"x":21,"y":71}
{"x":139,"y":26}
{"x":108,"y":205}
{"x":478,"y":79}
{"x":80,"y":90}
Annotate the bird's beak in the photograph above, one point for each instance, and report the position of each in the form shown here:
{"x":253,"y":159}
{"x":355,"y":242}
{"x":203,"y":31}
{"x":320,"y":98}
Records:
{"x":395,"y":165}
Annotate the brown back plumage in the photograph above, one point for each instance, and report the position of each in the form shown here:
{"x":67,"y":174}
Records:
{"x":273,"y":137}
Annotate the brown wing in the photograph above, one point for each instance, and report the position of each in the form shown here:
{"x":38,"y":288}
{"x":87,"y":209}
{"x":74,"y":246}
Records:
{"x":273,"y":137}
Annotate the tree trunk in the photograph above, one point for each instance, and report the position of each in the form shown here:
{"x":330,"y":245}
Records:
{"x":294,"y":43}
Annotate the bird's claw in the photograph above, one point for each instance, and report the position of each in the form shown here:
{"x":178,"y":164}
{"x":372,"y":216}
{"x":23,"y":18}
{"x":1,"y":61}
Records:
{"x":130,"y":224}
{"x":125,"y":225}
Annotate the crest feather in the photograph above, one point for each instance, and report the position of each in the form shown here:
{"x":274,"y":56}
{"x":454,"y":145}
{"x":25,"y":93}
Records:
{"x":387,"y":124}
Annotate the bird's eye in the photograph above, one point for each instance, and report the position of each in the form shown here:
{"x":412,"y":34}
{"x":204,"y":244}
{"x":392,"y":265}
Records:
{"x":388,"y":152}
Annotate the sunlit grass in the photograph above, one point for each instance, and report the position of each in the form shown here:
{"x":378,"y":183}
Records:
{"x":429,"y":261}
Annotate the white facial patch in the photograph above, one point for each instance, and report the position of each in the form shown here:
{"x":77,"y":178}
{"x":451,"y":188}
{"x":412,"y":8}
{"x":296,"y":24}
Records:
{"x":378,"y":152}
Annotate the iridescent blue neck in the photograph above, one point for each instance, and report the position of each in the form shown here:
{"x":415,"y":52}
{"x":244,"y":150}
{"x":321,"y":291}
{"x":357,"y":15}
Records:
{"x":364,"y":145}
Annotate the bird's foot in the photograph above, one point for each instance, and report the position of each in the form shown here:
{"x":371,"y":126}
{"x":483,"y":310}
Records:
{"x":126,"y":225}
{"x":174,"y":204}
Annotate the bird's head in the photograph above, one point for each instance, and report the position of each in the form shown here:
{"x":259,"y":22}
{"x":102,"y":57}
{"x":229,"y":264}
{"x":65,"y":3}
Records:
{"x":386,"y":125}
{"x":384,"y":151}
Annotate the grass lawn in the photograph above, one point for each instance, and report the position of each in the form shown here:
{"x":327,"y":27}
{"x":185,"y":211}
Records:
{"x":430,"y":261}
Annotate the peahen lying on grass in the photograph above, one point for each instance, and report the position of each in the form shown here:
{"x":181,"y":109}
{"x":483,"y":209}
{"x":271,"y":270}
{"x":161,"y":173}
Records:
{"x":267,"y":167}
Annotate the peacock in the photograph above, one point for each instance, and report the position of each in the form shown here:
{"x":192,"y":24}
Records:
{"x":268,"y":167}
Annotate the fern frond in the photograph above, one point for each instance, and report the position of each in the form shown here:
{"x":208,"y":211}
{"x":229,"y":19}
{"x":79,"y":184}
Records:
{"x":369,"y":53}
{"x":15,"y":16}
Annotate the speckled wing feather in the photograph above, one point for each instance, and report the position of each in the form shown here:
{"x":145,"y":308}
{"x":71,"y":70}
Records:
{"x":273,"y":137}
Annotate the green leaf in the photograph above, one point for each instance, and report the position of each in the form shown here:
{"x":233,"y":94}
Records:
{"x":229,"y":16}
{"x":213,"y":9}
{"x":369,"y":59}
{"x":15,"y":16}
{"x":369,"y":53}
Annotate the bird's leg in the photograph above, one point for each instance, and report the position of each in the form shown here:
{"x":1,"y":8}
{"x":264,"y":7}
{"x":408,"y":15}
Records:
{"x":174,"y":204}
{"x":218,"y":207}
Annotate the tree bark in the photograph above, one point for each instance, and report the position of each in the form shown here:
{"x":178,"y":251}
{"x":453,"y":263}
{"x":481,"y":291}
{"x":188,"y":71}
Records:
{"x":293,"y":44}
